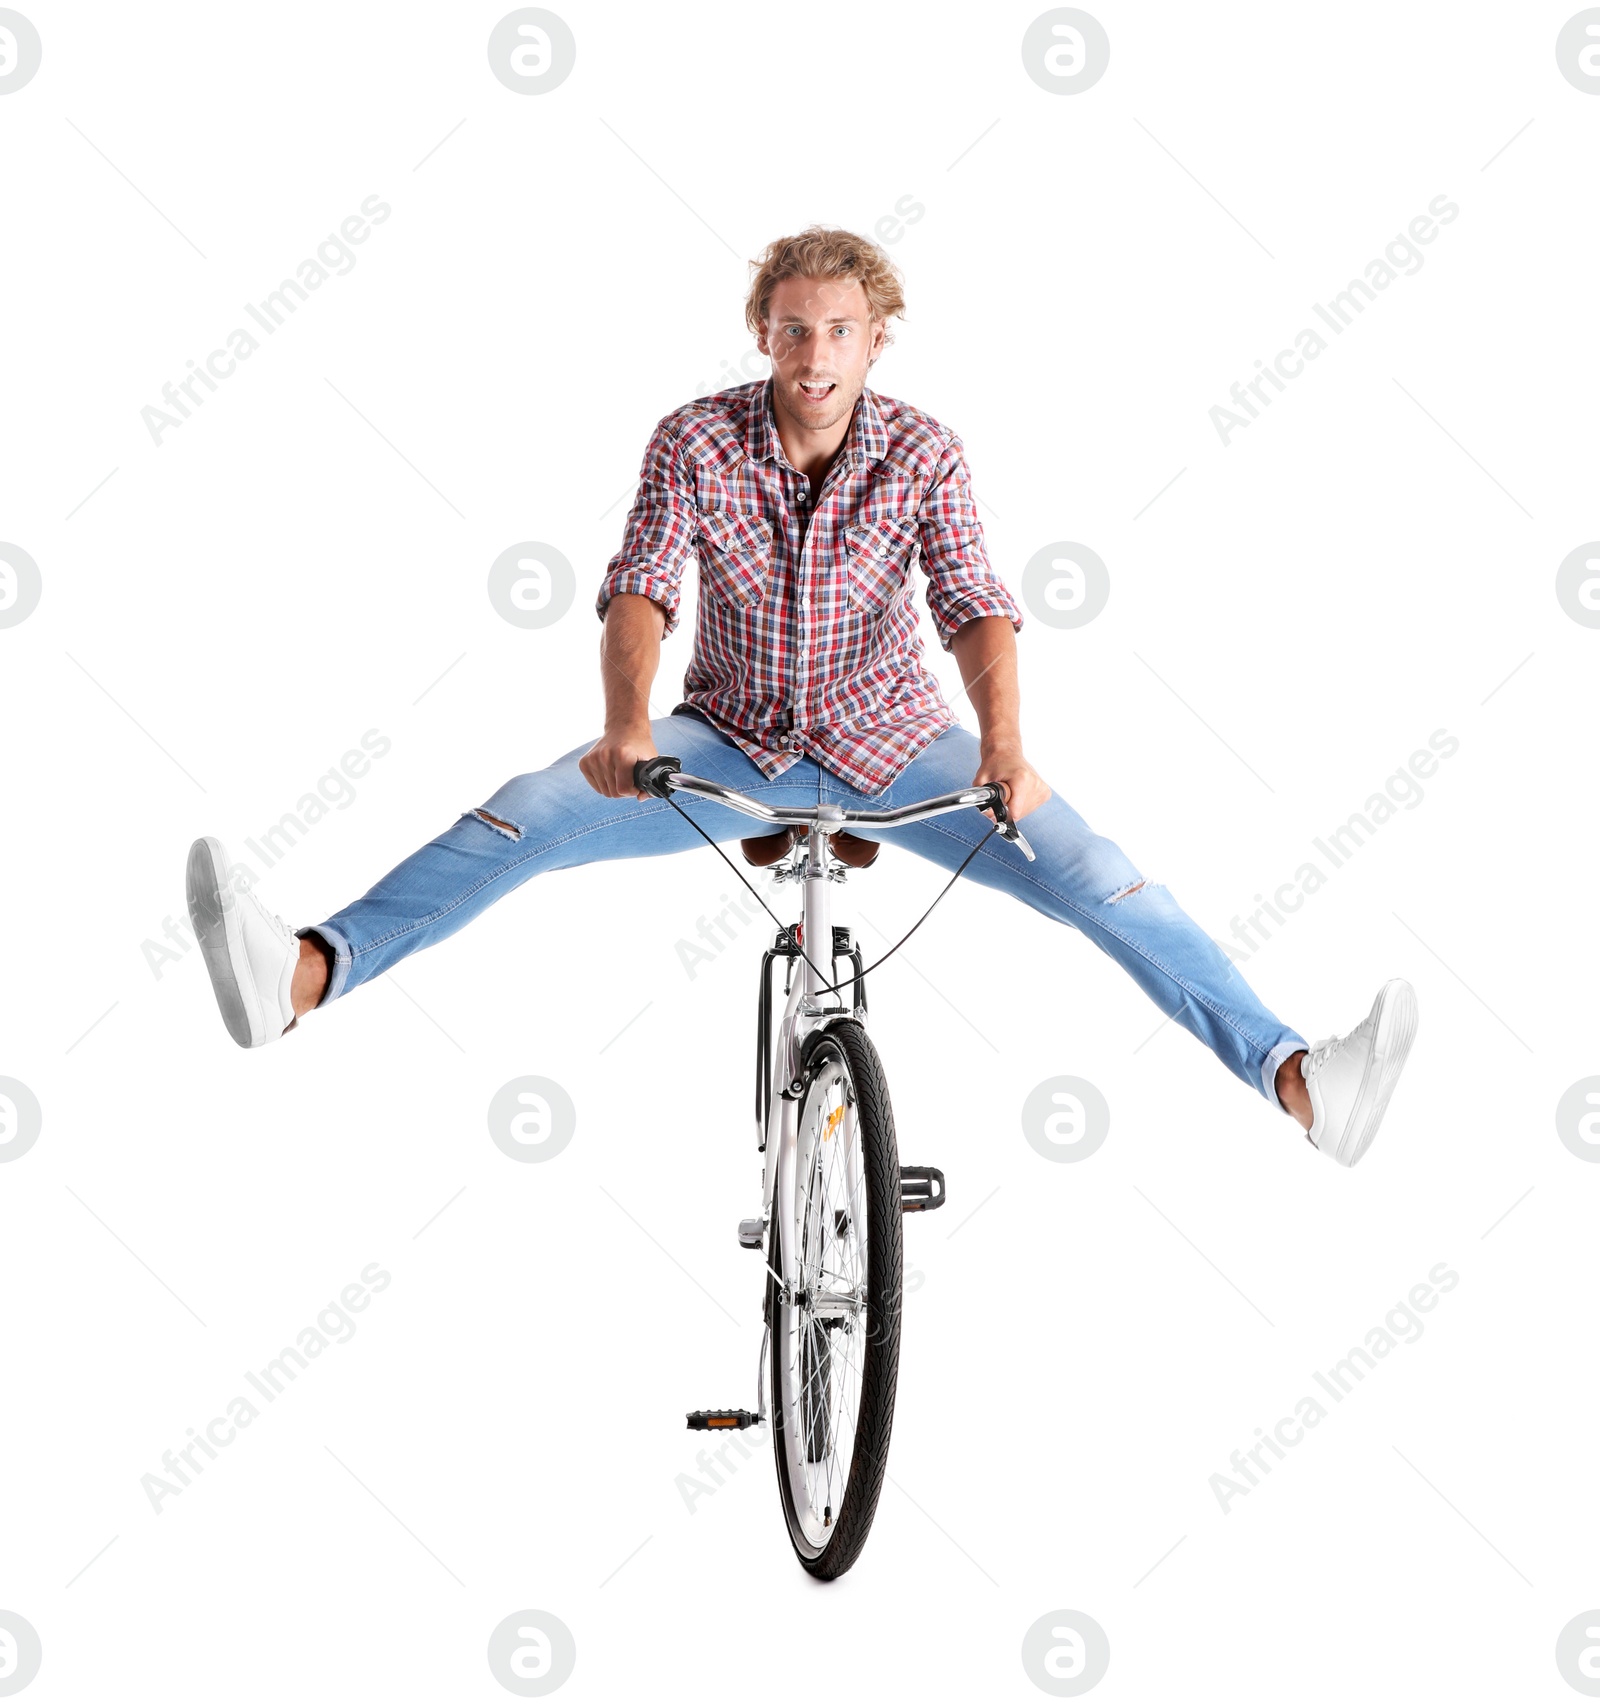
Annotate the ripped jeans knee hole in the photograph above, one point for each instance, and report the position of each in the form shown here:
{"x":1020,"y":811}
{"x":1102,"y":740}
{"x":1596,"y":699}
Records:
{"x":512,"y":832}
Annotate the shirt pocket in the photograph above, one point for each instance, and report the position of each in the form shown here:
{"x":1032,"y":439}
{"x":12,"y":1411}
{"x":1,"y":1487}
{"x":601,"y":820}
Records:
{"x":879,"y":555}
{"x":735,"y":552}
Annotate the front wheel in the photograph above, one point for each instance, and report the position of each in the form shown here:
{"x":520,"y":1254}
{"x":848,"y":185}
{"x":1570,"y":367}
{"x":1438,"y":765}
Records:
{"x":835,"y":1320}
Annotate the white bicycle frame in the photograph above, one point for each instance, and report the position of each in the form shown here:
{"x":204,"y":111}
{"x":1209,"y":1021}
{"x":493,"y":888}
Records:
{"x":812,"y":1004}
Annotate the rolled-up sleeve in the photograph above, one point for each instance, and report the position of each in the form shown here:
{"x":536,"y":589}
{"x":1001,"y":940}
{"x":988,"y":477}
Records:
{"x":659,"y":534}
{"x":962,"y":583}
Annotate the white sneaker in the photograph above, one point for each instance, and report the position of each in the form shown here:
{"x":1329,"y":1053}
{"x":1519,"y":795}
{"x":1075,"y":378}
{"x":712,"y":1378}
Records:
{"x":1350,"y":1078}
{"x":250,"y":953}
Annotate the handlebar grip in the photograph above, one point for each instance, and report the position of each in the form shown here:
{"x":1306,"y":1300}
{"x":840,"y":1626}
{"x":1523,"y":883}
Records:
{"x":650,"y":775}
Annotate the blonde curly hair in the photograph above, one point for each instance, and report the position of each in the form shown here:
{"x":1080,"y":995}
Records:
{"x":824,"y":252}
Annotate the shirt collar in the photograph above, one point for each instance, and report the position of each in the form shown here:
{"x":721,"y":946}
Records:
{"x":866,"y":441}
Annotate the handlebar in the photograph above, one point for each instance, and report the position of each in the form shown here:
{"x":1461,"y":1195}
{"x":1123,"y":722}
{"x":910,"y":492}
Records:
{"x":660,"y":776}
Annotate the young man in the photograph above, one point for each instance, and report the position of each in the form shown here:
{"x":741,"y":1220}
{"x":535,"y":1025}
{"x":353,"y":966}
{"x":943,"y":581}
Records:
{"x":807,"y":500}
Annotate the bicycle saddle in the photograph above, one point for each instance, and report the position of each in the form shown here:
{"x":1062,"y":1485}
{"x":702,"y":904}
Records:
{"x":855,"y":851}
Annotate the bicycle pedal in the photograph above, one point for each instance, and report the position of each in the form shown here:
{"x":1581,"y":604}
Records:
{"x":920,"y":1189}
{"x":724,"y":1419}
{"x":753,"y":1234}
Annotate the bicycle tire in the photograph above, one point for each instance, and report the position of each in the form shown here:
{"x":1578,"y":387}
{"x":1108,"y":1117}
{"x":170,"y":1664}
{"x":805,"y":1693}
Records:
{"x":842,"y":1045}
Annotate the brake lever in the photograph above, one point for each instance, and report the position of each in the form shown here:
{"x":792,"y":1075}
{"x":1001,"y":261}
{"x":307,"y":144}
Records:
{"x":1008,"y":824}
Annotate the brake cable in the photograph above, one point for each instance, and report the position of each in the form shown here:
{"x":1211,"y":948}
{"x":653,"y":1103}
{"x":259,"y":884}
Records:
{"x":788,"y":931}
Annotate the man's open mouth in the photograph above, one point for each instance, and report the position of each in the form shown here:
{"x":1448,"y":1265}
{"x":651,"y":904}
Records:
{"x":817,"y":392}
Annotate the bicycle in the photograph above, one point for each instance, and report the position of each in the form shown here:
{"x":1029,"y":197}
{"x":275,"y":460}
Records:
{"x":833,"y":1189}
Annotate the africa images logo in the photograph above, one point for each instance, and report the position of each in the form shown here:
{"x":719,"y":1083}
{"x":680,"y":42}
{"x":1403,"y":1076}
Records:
{"x":1403,"y":1325}
{"x":1403,"y":256}
{"x":334,"y":258}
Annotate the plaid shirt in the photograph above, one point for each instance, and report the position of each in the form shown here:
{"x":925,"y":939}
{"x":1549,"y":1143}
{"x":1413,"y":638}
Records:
{"x":806,"y":637}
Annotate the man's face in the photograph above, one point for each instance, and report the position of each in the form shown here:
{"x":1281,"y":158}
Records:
{"x":821,"y":339}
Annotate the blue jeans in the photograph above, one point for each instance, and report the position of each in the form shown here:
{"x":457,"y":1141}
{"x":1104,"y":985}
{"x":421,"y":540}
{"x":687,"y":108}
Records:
{"x":1079,"y":879}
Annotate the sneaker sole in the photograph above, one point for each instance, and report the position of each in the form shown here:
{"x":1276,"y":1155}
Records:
{"x":215,"y":921}
{"x":1394,"y":1028}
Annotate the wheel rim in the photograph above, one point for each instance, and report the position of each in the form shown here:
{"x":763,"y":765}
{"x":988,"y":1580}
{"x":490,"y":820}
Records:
{"x":823,"y":1322}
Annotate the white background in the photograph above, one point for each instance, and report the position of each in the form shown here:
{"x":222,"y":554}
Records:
{"x":1292,"y":617}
